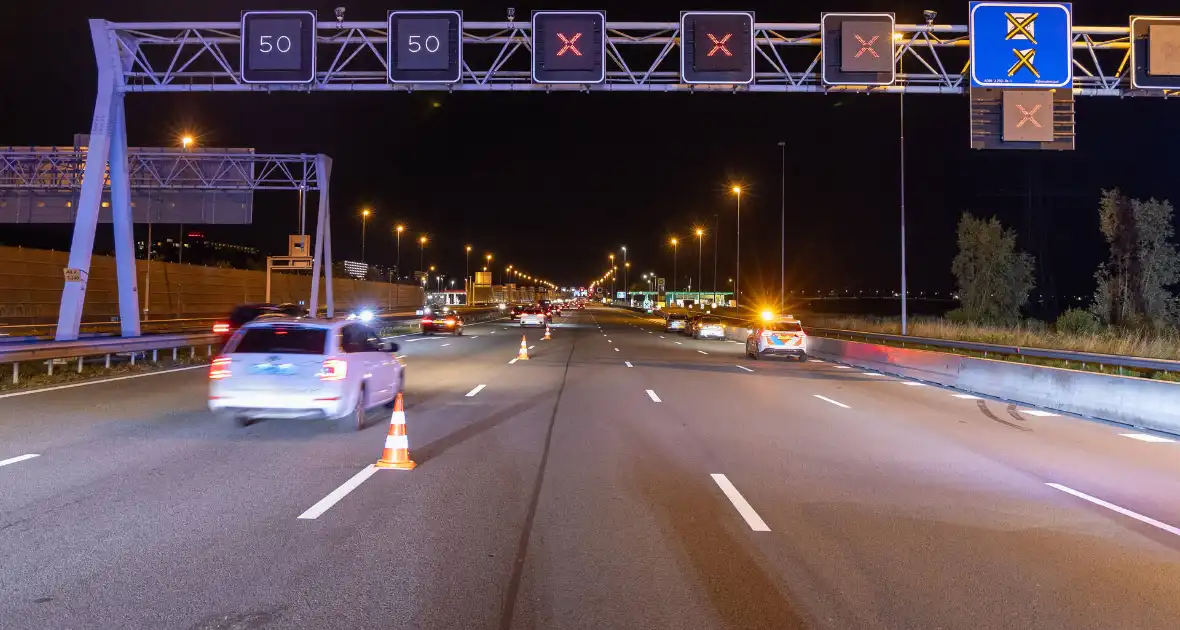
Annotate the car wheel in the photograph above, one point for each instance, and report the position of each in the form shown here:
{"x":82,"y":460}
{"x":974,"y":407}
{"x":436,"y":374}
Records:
{"x":239,"y":419}
{"x":355,"y":420}
{"x":802,"y":357}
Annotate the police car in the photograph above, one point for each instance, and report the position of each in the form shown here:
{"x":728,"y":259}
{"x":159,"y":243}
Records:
{"x":777,"y":336}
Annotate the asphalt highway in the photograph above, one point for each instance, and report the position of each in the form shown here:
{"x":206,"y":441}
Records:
{"x":622,"y":477}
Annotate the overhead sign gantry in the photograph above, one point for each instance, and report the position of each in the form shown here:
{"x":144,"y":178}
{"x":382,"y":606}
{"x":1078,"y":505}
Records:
{"x":1003,"y":45}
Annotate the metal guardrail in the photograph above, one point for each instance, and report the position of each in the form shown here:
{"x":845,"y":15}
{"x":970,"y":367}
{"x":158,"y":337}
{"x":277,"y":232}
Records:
{"x":1084,"y":358}
{"x":1069,"y":356}
{"x":43,"y":351}
{"x":150,"y":326}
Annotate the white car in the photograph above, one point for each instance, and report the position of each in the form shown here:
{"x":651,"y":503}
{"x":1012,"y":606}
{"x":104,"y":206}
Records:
{"x":533,"y":317}
{"x":300,"y":368}
{"x":778,"y":337}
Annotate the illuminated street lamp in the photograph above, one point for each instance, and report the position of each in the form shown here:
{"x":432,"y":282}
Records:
{"x":675,"y":251}
{"x":364,"y":222}
{"x":398,"y":268}
{"x":700,"y":251}
{"x":737,"y":191}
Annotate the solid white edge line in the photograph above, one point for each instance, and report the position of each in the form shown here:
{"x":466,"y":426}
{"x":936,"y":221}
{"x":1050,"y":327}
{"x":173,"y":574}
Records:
{"x":966,"y":397}
{"x":104,"y":380}
{"x":652,"y":395}
{"x":1142,"y":437}
{"x":324,"y":504}
{"x":18,"y":458}
{"x":913,"y":384}
{"x":843,"y":367}
{"x":628,"y":364}
{"x":1121,"y":510}
{"x":872,"y":374}
{"x":739,"y":502}
{"x":476,"y":390}
{"x":1038,"y":413}
{"x":742,"y":367}
{"x":834,"y":402}
{"x":513,"y":361}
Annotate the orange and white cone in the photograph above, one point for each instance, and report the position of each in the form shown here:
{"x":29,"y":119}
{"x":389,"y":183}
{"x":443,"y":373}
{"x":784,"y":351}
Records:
{"x":397,"y":444}
{"x":523,"y":355}
{"x":546,"y":337}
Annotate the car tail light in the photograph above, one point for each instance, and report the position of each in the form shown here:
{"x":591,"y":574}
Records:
{"x":427,"y":321}
{"x":333,"y":370}
{"x":221,"y":328}
{"x":220,"y":368}
{"x":450,"y":321}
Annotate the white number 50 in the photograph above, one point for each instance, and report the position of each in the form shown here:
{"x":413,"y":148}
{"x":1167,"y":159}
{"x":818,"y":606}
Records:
{"x":282,"y":44}
{"x":415,"y":43}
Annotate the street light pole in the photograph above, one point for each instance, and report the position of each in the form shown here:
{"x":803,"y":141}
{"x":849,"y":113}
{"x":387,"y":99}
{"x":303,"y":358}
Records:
{"x":700,"y":258}
{"x":467,"y":277}
{"x":716,"y":233}
{"x":675,"y":255}
{"x":782,"y":274}
{"x":421,"y":253}
{"x":398,"y":267}
{"x":626,"y":269}
{"x":737,"y":289}
{"x":901,"y":127}
{"x":364,"y":222}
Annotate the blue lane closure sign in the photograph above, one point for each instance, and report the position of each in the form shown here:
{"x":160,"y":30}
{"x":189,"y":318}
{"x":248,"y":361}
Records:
{"x":1021,"y":44}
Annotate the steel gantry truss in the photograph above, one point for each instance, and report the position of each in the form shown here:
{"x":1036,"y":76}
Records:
{"x":63,"y":169}
{"x":642,"y":56}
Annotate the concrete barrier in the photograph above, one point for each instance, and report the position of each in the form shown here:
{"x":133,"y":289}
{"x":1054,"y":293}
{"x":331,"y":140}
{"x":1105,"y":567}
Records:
{"x":1127,"y":400}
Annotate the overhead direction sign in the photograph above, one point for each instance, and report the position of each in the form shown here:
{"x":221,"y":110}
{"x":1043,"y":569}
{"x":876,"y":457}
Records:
{"x":857,"y":49}
{"x":569,"y":46}
{"x":717,"y":47}
{"x":278,"y":46}
{"x":1155,"y":53}
{"x":1021,"y":44}
{"x":425,"y":46}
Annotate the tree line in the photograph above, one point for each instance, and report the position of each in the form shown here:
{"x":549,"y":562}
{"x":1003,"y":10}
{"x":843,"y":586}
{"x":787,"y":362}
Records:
{"x":1135,"y":285}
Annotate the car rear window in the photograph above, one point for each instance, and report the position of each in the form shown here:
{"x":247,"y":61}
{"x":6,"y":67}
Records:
{"x":710,"y":321}
{"x":282,"y":340}
{"x":677,"y":316}
{"x":785,"y":327}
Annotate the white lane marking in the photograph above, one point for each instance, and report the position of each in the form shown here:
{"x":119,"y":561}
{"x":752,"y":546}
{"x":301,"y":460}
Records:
{"x":444,"y":345}
{"x":653,"y":397}
{"x":401,"y":356}
{"x":339,"y":493}
{"x":650,"y":332}
{"x":478,"y":389}
{"x":661,"y":336}
{"x":843,"y":367}
{"x":815,"y":360}
{"x":608,"y":340}
{"x":513,"y":361}
{"x":531,"y":347}
{"x":679,"y":344}
{"x":1142,"y":437}
{"x":872,"y":374}
{"x":1121,"y":510}
{"x":702,"y":352}
{"x":966,"y":397}
{"x":616,"y":349}
{"x":603,"y":334}
{"x":742,"y":367}
{"x":1038,"y":412}
{"x":913,"y":384}
{"x":18,"y":458}
{"x":104,"y":380}
{"x":826,"y":399}
{"x":494,"y":332}
{"x":739,"y":502}
{"x":476,"y":336}
{"x":628,"y":364}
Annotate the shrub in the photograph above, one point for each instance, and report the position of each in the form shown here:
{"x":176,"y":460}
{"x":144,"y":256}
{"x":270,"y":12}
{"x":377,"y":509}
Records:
{"x":1077,"y":321}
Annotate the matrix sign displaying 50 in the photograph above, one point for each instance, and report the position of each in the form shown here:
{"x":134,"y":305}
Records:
{"x":278,"y":46}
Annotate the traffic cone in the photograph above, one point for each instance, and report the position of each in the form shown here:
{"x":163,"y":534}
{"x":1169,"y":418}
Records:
{"x":546,"y":337}
{"x":397,"y":444}
{"x":523,"y":355}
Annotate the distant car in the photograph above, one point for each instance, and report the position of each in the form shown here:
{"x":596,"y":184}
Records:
{"x":533,"y":317}
{"x":780,"y":337}
{"x":708,"y":327}
{"x":516,"y":311}
{"x":449,"y":323}
{"x":246,"y":313}
{"x":581,"y":306}
{"x":675,"y":322}
{"x":303,"y":368}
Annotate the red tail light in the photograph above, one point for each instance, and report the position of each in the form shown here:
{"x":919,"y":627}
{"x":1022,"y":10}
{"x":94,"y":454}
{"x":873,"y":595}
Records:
{"x":450,"y":321}
{"x":333,"y":370}
{"x":220,"y":368}
{"x":221,"y":328}
{"x":427,"y":321}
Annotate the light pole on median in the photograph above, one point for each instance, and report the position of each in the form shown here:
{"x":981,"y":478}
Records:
{"x":467,"y":276}
{"x":782,"y":290}
{"x":421,"y":252}
{"x":399,"y":229}
{"x":675,"y":252}
{"x":626,"y":268}
{"x":901,"y":177}
{"x":364,"y":222}
{"x":737,"y":289}
{"x":700,"y":258}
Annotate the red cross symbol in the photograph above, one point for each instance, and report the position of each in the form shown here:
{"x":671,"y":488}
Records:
{"x":719,"y":45}
{"x":1028,"y":116}
{"x":867,"y":46}
{"x":567,"y":44}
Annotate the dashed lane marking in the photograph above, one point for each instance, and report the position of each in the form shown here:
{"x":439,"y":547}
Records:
{"x":834,"y":402}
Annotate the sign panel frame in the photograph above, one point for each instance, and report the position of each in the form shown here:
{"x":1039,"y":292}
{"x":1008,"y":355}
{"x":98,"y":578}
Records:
{"x":454,"y":71}
{"x":274,"y":76}
{"x":1002,"y":48}
{"x":688,"y":40}
{"x":869,"y":78}
{"x":1140,"y":79}
{"x":567,"y":76}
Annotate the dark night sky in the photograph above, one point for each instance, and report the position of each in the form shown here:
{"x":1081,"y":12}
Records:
{"x":554,"y":182}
